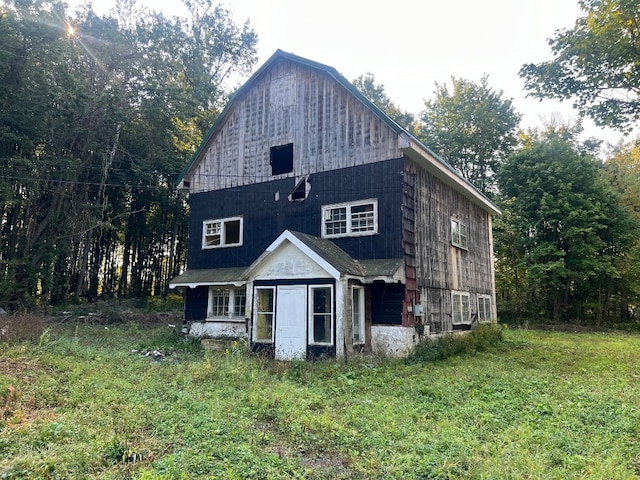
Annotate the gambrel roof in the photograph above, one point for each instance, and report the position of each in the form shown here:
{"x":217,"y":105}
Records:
{"x":409,"y":145}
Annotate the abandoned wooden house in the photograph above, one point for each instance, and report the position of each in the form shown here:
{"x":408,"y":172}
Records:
{"x":319,"y":226}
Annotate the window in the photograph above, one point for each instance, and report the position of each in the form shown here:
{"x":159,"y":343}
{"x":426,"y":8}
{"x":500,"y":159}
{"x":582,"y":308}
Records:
{"x":225,"y":232}
{"x":459,"y":234}
{"x":484,"y":308}
{"x":350,"y":219}
{"x":320,"y":316}
{"x":264,"y":307}
{"x":357,"y":315}
{"x":226,"y":302}
{"x":281,"y":159}
{"x":460,"y":308}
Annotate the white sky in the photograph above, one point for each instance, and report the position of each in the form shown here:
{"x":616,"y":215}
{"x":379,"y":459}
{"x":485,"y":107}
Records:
{"x":408,"y":45}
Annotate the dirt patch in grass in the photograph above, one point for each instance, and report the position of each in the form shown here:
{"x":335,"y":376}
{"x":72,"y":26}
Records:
{"x":330,"y":464}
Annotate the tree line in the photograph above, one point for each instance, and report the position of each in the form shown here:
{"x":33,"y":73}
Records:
{"x":99,"y":114}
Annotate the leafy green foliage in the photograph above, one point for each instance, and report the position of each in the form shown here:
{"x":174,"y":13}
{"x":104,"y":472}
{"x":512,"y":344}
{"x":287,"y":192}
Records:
{"x":482,"y":337}
{"x":377,"y":95}
{"x":472,"y":127}
{"x":595,"y":63}
{"x":564,"y":236}
{"x":98,"y":120}
{"x":543,"y":405}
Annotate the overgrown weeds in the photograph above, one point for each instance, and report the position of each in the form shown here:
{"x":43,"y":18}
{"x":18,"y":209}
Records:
{"x":21,"y":327}
{"x":85,"y":403}
{"x":482,"y":337}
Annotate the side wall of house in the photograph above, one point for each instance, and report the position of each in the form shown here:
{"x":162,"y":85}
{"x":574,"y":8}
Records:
{"x":327,"y":125}
{"x":441,"y":267}
{"x":266,"y":212}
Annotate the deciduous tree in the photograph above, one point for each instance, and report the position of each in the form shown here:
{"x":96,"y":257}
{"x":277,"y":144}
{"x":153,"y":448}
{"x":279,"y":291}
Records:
{"x":595,"y":63}
{"x":471,"y":126}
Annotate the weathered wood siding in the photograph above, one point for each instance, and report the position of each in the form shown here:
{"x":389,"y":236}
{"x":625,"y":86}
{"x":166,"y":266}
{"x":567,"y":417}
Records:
{"x":428,"y":206}
{"x":328,"y":126}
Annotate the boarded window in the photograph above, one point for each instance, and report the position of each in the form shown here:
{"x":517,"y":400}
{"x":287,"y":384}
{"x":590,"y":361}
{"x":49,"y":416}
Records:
{"x":281,"y":159}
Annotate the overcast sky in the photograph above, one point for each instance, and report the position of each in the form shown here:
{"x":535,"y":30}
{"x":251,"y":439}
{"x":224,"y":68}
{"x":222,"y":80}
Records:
{"x":408,"y":45}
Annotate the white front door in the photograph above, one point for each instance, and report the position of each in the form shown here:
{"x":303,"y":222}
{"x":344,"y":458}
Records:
{"x":291,"y":322}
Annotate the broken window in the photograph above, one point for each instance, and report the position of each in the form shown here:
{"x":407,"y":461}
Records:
{"x":301,"y":191}
{"x":225,"y":232}
{"x":281,"y":159}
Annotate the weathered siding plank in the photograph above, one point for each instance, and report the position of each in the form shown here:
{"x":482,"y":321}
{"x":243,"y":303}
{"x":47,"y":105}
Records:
{"x":329,"y":127}
{"x":440,"y":266}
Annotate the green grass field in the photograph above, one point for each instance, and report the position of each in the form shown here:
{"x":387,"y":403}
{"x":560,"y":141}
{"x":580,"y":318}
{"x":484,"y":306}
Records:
{"x":84,"y":402}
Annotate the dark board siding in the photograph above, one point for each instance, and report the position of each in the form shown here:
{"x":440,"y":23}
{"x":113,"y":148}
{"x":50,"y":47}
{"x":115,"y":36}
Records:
{"x":196,"y":300}
{"x":386,"y":303}
{"x":267,"y":212}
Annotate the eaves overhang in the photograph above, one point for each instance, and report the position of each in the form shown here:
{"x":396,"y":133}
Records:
{"x":425,"y":157}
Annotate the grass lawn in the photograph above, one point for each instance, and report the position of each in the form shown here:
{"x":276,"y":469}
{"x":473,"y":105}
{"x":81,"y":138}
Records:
{"x":86,"y":403}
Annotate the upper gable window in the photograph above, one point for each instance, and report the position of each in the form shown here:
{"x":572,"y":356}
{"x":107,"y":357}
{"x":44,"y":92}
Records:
{"x":223,"y":232}
{"x":281,"y":159}
{"x":459,"y":234}
{"x":350,"y":219}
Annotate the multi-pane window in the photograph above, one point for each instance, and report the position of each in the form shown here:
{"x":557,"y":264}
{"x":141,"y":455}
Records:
{"x":357,"y":315}
{"x":459,"y":234}
{"x":460,"y":308}
{"x":350,"y":219}
{"x":239,"y":302}
{"x":264,"y":305}
{"x":484,"y":308}
{"x":224,"y":232}
{"x":226,"y":302}
{"x":321,"y":315}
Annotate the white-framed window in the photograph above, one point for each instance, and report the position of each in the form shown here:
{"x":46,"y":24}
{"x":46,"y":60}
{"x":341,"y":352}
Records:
{"x":350,"y":219}
{"x":222,"y":232}
{"x":264,"y":306}
{"x":226,"y":302}
{"x":459,"y":234}
{"x":321,"y":314}
{"x":484,"y":308}
{"x":461,"y":313}
{"x":357,"y":314}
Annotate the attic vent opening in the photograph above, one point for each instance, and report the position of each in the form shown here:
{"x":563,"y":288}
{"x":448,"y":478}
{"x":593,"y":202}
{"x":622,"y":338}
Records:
{"x":301,"y":191}
{"x":281,"y":159}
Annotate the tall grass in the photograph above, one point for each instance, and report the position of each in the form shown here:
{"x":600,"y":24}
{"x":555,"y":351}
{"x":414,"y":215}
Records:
{"x":87,"y":402}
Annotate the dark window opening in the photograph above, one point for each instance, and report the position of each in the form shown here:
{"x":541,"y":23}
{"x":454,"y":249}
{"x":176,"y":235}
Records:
{"x":281,"y":159}
{"x":232,"y":232}
{"x":386,"y":303}
{"x":299,"y":193}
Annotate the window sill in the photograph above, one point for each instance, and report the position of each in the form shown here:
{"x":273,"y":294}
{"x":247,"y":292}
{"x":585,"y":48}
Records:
{"x":225,"y":319}
{"x":350,"y":235}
